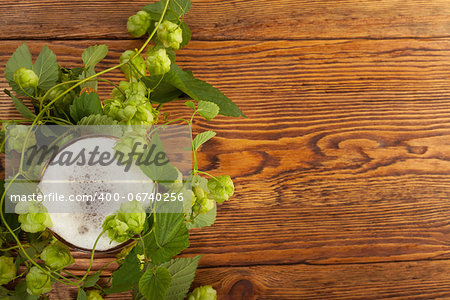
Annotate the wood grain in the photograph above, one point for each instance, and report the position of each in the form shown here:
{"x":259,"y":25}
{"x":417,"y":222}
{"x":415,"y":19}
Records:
{"x":344,"y":156}
{"x":342,"y":166}
{"x":399,"y":280}
{"x":233,"y":20}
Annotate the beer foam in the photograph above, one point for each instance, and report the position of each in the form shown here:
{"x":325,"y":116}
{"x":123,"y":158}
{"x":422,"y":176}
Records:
{"x":80,"y":222}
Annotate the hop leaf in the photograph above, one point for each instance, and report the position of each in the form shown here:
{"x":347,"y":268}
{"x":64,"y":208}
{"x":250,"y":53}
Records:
{"x":93,"y":55}
{"x":33,"y":216}
{"x":97,"y":120}
{"x":38,"y":282}
{"x":56,"y":255}
{"x":208,"y":110}
{"x":20,"y":58}
{"x":153,"y":284}
{"x":7,"y":269}
{"x":47,"y":69}
{"x":202,"y":138}
{"x":85,"y":105}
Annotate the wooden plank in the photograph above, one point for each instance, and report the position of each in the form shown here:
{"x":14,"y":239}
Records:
{"x":311,"y":76}
{"x":405,"y":280}
{"x":410,"y":280}
{"x":344,"y":157}
{"x":227,"y":20}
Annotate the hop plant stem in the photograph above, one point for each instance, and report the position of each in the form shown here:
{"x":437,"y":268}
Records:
{"x":35,"y":122}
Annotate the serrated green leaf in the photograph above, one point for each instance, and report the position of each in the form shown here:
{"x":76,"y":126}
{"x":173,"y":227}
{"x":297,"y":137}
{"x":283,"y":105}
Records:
{"x":171,"y":54}
{"x":154,"y":283}
{"x":182,"y":271}
{"x":164,"y":91}
{"x":190,"y":104}
{"x":22,"y":108}
{"x":4,"y":292}
{"x":97,"y":120}
{"x":81,"y":294}
{"x":155,"y":10}
{"x":200,"y":90}
{"x":127,"y":276}
{"x":88,"y":73}
{"x":208,"y":110}
{"x":203,"y":220}
{"x":180,"y":7}
{"x":186,"y":34}
{"x":11,"y":218}
{"x":168,"y":238}
{"x":202,"y":138}
{"x":75,"y":72}
{"x":159,"y":173}
{"x":91,"y":280}
{"x":93,"y":55}
{"x":21,"y":292}
{"x":85,"y":105}
{"x":20,"y":58}
{"x":46,"y":68}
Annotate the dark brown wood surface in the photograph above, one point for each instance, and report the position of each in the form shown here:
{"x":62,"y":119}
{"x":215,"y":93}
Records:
{"x":342,"y":168}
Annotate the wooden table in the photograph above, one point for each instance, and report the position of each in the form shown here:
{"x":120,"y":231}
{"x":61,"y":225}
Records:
{"x":342,"y":168}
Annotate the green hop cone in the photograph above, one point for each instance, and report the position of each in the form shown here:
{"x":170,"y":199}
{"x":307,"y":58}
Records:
{"x":203,"y":202}
{"x":16,"y":138}
{"x":56,"y":255}
{"x":34,"y":172}
{"x":127,"y":113}
{"x":138,"y":24}
{"x":158,"y":62}
{"x":199,"y":192}
{"x":26,"y":78}
{"x":116,"y":229}
{"x":38,"y":282}
{"x":143,"y":114}
{"x":205,"y":292}
{"x":62,"y":105}
{"x":112,"y":107}
{"x":136,"y":89}
{"x":94,"y":295}
{"x":132,"y":139}
{"x":221,"y":188}
{"x":206,"y":205}
{"x":134,"y":213}
{"x":130,"y":72}
{"x":33,"y":216}
{"x":97,"y":120}
{"x":120,"y":94}
{"x":126,"y":222}
{"x":7,"y":269}
{"x":170,"y":35}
